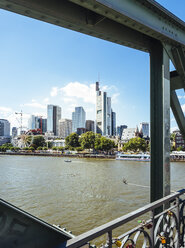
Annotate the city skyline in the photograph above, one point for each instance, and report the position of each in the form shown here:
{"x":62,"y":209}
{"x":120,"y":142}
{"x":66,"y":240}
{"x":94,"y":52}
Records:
{"x":64,"y":73}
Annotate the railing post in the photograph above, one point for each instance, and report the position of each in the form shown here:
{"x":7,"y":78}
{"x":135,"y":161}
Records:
{"x":153,"y":228}
{"x":178,"y":221}
{"x":110,"y":239}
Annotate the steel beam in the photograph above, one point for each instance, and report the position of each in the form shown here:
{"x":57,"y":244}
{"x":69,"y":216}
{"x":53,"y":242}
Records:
{"x":160,"y":122}
{"x":176,"y":81}
{"x":72,"y":16}
{"x":146,"y":16}
{"x":178,"y":113}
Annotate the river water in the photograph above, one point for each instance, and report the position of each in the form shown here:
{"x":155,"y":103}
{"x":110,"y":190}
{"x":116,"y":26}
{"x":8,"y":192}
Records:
{"x":79,"y":195}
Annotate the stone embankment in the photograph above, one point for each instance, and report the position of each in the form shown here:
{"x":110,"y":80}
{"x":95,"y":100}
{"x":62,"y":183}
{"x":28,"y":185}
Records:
{"x":77,"y":155}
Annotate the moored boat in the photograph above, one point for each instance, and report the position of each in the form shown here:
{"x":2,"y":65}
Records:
{"x":133,"y":157}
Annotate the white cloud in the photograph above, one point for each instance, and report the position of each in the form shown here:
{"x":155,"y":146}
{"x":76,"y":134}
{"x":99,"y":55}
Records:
{"x":67,"y":99}
{"x":35,"y":105}
{"x":115,"y":97}
{"x":173,"y":129}
{"x":81,"y":91}
{"x":180,"y":97}
{"x":46,"y":100}
{"x":5,"y":110}
{"x":54,"y":91}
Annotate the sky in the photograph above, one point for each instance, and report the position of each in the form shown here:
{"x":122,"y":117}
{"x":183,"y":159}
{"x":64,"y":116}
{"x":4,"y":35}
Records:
{"x":45,"y":64}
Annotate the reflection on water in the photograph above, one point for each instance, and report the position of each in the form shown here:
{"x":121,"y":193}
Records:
{"x":79,"y":195}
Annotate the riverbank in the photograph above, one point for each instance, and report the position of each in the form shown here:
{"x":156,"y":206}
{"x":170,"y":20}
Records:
{"x":77,"y":155}
{"x":58,"y":154}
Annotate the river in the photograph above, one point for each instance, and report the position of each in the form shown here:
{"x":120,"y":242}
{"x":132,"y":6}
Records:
{"x":79,"y":195}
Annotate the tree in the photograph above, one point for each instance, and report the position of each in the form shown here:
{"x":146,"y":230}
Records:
{"x":97,"y":143}
{"x":38,"y":140}
{"x":39,"y":148}
{"x":135,"y":144}
{"x":87,"y":140}
{"x":172,"y":137}
{"x":72,"y":140}
{"x":106,"y":144}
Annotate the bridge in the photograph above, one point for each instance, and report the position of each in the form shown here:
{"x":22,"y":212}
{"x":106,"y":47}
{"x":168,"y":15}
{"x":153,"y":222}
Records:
{"x":143,"y":25}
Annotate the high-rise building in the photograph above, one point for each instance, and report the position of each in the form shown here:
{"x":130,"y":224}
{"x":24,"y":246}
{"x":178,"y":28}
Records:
{"x":14,"y":132}
{"x":53,"y":117}
{"x":89,"y":125}
{"x":144,"y":128}
{"x":36,"y":122}
{"x":78,"y":119}
{"x":103,"y":112}
{"x":44,"y":125}
{"x":65,"y":127}
{"x":120,"y":130}
{"x":113,"y":123}
{"x":4,"y":128}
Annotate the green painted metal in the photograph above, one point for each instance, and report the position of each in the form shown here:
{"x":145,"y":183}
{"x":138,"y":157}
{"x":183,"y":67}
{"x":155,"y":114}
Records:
{"x":176,"y":82}
{"x":160,"y":122}
{"x":146,"y":16}
{"x":72,"y":16}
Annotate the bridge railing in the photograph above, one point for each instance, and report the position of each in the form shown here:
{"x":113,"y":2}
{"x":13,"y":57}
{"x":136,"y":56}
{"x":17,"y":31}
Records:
{"x":165,"y":229}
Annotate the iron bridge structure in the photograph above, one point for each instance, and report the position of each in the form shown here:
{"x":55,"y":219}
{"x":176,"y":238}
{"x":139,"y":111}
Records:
{"x":143,"y":25}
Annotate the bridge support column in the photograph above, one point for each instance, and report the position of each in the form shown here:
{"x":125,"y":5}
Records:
{"x":159,"y":122}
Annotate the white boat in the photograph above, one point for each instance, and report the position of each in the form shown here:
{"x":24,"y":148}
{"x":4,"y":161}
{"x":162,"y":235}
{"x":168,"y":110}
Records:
{"x":67,"y":160}
{"x":133,"y":157}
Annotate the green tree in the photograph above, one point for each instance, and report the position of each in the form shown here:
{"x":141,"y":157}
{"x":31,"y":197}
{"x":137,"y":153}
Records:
{"x":106,"y":144}
{"x":87,"y":140}
{"x":97,"y":142}
{"x":38,"y":140}
{"x":180,"y":148}
{"x":72,"y":140}
{"x":39,"y":148}
{"x":54,"y":148}
{"x":172,"y":137}
{"x":135,"y":145}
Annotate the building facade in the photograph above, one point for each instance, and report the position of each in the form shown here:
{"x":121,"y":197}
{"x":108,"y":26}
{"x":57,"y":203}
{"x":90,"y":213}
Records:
{"x":65,"y":127}
{"x":14,"y":132}
{"x":120,"y":130}
{"x":179,"y":140}
{"x":4,"y":128}
{"x":103,"y":112}
{"x":113,"y":123}
{"x":144,"y":128}
{"x":53,"y":117}
{"x":78,"y":119}
{"x":89,"y":125}
{"x":37,"y":122}
{"x":4,"y":131}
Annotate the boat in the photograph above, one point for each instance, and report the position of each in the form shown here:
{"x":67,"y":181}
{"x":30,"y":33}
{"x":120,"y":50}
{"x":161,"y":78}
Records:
{"x":67,"y":160}
{"x":133,"y":157}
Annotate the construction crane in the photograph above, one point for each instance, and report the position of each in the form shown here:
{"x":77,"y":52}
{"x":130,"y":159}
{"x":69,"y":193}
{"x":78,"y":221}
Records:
{"x":20,"y":113}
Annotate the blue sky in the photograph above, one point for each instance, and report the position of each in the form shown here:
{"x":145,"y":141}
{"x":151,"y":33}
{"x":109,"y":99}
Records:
{"x":42,"y":63}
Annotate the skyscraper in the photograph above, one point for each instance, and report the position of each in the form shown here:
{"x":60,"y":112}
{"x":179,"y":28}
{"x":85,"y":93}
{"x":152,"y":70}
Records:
{"x":103,"y":112}
{"x":78,"y":119}
{"x":89,"y":125}
{"x":144,"y":128}
{"x":4,"y":128}
{"x":53,"y":117}
{"x":120,"y":130}
{"x":65,"y":127}
{"x":113,"y":123}
{"x":36,"y":122}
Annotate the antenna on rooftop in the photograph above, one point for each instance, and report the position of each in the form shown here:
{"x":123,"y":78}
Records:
{"x":98,"y":77}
